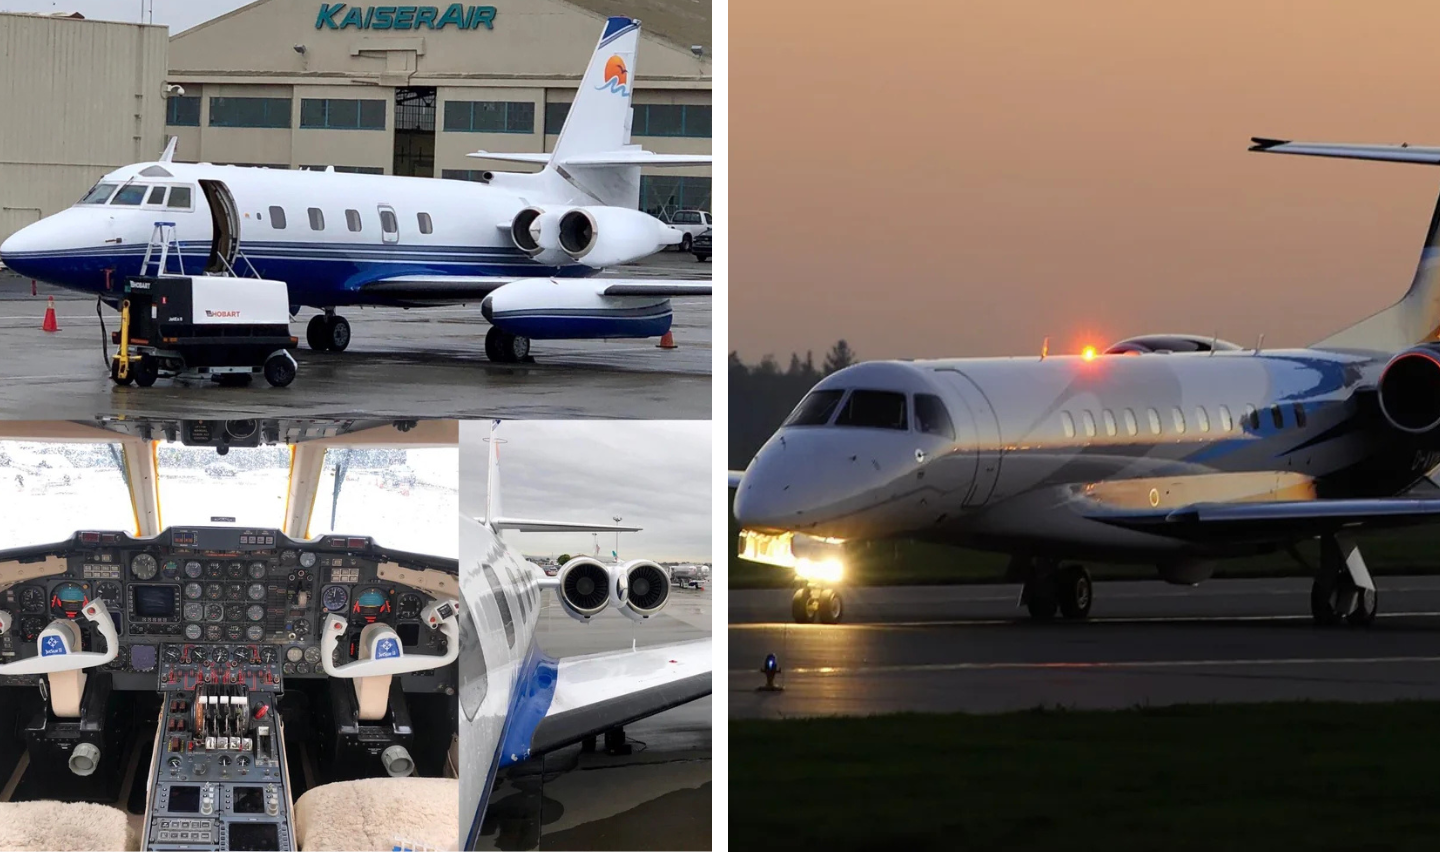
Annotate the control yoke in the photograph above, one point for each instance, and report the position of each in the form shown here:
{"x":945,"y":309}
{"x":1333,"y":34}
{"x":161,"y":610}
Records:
{"x":59,"y":644}
{"x":380,"y":651}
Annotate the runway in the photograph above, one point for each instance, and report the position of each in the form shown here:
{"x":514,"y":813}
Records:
{"x":425,"y":362}
{"x":656,"y":798}
{"x":968,"y":648}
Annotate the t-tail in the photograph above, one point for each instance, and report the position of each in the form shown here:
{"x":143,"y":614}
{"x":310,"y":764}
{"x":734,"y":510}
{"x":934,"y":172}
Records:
{"x":492,"y":477}
{"x":1416,"y":317}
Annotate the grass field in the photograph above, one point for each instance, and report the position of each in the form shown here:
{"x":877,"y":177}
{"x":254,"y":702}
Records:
{"x":1223,"y":777}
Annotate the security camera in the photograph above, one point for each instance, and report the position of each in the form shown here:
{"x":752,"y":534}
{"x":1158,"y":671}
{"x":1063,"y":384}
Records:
{"x":174,"y":90}
{"x":698,"y":50}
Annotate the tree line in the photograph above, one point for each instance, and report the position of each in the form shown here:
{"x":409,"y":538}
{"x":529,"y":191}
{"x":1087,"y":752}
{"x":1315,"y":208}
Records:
{"x":762,"y":395}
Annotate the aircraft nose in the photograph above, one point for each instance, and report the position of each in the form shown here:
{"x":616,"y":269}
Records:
{"x":22,"y":249}
{"x":785,"y":485}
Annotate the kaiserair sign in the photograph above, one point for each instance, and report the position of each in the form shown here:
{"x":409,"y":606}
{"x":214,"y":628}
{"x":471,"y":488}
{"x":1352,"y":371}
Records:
{"x":339,"y":16}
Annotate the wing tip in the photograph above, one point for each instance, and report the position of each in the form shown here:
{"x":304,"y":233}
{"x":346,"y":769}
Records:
{"x":1262,"y":143}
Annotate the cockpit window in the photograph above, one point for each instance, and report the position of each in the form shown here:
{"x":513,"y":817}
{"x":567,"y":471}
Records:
{"x":54,"y":484}
{"x":179,"y":198}
{"x":874,"y":410}
{"x":815,"y":409}
{"x":245,"y":487}
{"x":130,"y":195}
{"x":406,"y":499}
{"x":931,"y":417}
{"x":99,"y":194}
{"x":157,"y":196}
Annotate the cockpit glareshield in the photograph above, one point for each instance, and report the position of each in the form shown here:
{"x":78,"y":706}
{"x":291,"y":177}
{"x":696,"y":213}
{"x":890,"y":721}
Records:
{"x":49,"y":489}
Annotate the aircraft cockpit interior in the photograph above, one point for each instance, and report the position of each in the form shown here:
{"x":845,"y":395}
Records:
{"x":219,"y":682}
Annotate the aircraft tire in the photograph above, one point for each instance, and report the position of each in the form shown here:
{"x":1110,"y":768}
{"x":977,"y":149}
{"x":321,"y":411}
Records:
{"x":832,"y":607}
{"x":1322,"y":600}
{"x":145,"y":371}
{"x":1075,"y":592}
{"x":315,"y":334}
{"x":800,"y":609}
{"x":337,"y":334}
{"x":1366,"y":606}
{"x":502,"y":347}
{"x":492,"y":343}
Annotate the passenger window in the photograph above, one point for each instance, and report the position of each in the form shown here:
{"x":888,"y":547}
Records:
{"x":1179,"y":417}
{"x":1202,"y":419}
{"x":130,"y":196}
{"x":426,"y":226}
{"x":502,"y":602}
{"x":157,"y":196}
{"x":874,"y":410}
{"x":815,"y":409}
{"x":1300,"y":415}
{"x":1089,"y":420}
{"x":1154,"y":417}
{"x":1131,"y":427}
{"x":352,"y":219}
{"x":179,"y":198}
{"x":1252,"y":417}
{"x":277,"y":218}
{"x":1109,"y":423}
{"x":388,"y":223}
{"x":1226,"y":424}
{"x":1277,"y":416}
{"x":317,"y":219}
{"x":1067,"y":423}
{"x":931,"y":417}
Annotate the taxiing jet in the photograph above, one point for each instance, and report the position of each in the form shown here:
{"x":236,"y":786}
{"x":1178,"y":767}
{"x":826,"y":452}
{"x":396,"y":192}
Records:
{"x":523,"y":245}
{"x":515,"y":701}
{"x":1173,"y":450}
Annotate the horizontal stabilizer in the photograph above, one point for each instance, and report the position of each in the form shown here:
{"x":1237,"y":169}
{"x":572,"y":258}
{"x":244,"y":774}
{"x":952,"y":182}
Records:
{"x":1382,"y":153}
{"x":527,"y":525}
{"x":734,"y":477}
{"x":604,"y":159}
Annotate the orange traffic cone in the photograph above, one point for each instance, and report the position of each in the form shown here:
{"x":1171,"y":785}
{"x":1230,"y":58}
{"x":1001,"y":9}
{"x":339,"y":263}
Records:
{"x":50,"y":324}
{"x":667,"y":341}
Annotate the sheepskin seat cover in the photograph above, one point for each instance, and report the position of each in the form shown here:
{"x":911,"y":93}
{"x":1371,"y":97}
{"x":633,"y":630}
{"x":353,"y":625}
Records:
{"x":373,"y":813}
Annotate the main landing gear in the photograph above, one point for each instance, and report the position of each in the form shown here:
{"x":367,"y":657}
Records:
{"x":1343,"y":591}
{"x":1051,"y":587}
{"x":502,"y":347}
{"x":328,"y":332}
{"x":816,"y":603}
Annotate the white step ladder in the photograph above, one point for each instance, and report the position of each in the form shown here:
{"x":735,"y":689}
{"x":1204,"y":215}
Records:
{"x":161,"y":239}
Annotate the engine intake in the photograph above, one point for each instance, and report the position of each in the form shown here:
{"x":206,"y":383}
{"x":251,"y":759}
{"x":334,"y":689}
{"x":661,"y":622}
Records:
{"x":1409,"y":390}
{"x":584,"y":588}
{"x":534,"y":231}
{"x":641,"y":589}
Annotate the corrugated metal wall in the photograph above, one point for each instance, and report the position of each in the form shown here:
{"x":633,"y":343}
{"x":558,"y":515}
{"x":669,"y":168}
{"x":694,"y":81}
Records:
{"x":77,"y":99}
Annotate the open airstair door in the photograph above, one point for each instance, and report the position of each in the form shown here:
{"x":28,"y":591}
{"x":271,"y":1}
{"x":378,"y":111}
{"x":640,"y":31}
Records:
{"x":224,"y":227}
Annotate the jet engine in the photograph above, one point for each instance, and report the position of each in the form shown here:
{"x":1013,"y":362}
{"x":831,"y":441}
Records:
{"x":640,"y":589}
{"x":584,"y":589}
{"x":607,"y":236}
{"x":1409,"y":390}
{"x":536,"y":232}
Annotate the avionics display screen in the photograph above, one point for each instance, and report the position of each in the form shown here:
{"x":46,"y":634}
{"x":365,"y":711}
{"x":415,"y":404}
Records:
{"x":249,"y":800}
{"x":184,"y":799}
{"x":153,"y":601}
{"x":251,"y":836}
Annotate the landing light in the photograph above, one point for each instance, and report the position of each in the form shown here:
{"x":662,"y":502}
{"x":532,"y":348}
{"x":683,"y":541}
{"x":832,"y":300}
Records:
{"x":1088,"y":353}
{"x":825,"y":570}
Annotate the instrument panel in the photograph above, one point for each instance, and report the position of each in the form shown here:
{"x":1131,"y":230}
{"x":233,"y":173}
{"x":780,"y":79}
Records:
{"x":217,"y":594}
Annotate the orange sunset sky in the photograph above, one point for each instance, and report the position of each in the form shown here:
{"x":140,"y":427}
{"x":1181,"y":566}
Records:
{"x":966,"y":178}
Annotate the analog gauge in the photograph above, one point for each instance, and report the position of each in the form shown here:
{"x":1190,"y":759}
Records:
{"x":32,"y":599}
{"x":67,"y":600}
{"x":193,"y":632}
{"x":409,"y":607}
{"x":334,"y":598}
{"x":307,"y":560}
{"x":234,"y":632}
{"x":172,"y":653}
{"x":256,"y":612}
{"x":199,"y":654}
{"x":214,"y":591}
{"x":243,"y":654}
{"x":255,"y":633}
{"x":121,"y":657}
{"x":109,"y":591}
{"x":144,"y":566}
{"x":312,"y":655}
{"x":214,"y":570}
{"x":214,"y":612}
{"x":267,"y":654}
{"x":235,"y":570}
{"x":170,"y":569}
{"x":256,"y":592}
{"x":287,"y":557}
{"x":302,"y":668}
{"x":214,"y":632}
{"x":294,"y":654}
{"x":234,"y":592}
{"x":31,"y":625}
{"x":234,"y":612}
{"x":194,"y":569}
{"x":257,"y":570}
{"x":194,"y":612}
{"x":302,"y":627}
{"x":194,"y":591}
{"x":370,"y":604}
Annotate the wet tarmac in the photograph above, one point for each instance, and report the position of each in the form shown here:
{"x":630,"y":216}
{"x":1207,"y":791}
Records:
{"x":402,"y":363}
{"x":938,"y":649}
{"x":657,"y":797}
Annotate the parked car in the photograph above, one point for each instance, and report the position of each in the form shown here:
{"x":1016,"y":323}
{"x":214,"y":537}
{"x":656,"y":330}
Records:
{"x":693,"y":223}
{"x":700,"y":247}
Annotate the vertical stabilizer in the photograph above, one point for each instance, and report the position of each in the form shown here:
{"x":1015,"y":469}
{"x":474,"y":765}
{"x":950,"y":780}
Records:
{"x":492,"y":477}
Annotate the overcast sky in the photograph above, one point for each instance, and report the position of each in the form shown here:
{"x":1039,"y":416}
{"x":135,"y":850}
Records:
{"x":178,"y":15}
{"x":655,"y":475}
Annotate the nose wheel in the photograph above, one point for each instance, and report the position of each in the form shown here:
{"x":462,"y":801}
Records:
{"x":1065,"y":589}
{"x":815,"y":604}
{"x":328,"y":332}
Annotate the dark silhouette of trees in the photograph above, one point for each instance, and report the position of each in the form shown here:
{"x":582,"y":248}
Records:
{"x":762,"y":395}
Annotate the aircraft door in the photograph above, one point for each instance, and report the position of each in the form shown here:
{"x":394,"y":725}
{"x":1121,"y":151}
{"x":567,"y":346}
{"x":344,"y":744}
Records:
{"x":224,"y":227}
{"x":389,"y":225}
{"x":987,"y":436}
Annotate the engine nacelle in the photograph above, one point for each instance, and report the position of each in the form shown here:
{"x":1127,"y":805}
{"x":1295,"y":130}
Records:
{"x":640,"y":589}
{"x":607,"y":236}
{"x":536,"y":231}
{"x":1409,"y":390}
{"x":574,"y":309}
{"x":584,"y":588}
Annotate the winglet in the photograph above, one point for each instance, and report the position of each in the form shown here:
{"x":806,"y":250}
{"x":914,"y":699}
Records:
{"x":168,"y":155}
{"x":1263,"y":144}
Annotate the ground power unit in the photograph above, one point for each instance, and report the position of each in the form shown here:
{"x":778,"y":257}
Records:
{"x":226,"y":329}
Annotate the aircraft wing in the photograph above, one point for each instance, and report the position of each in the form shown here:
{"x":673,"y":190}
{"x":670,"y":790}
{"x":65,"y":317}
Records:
{"x":1267,"y":521}
{"x":456,"y":288}
{"x":1385,"y":153}
{"x":525,"y":525}
{"x":596,"y":692}
{"x":734,"y":477}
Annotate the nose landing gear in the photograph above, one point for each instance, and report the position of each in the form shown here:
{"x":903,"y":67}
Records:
{"x":1342,"y":590}
{"x":1050,"y":587}
{"x":815,"y":603}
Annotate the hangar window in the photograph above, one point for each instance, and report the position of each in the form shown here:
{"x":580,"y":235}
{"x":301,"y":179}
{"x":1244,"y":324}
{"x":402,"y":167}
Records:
{"x":815,"y":409}
{"x":1109,"y":422}
{"x":426,"y":226}
{"x":1154,"y":418}
{"x":249,"y":112}
{"x":874,"y":410}
{"x":671,"y":120}
{"x":182,"y":112}
{"x":277,"y":218}
{"x":342,"y":114}
{"x":1088,"y":420}
{"x":490,"y":116}
{"x":130,"y":195}
{"x":98,"y":194}
{"x":1131,"y":427}
{"x":317,"y":219}
{"x":1277,"y":417}
{"x":555,"y":115}
{"x":1226,"y":424}
{"x":662,"y":194}
{"x":1202,"y":419}
{"x":352,"y":220}
{"x":179,"y":198}
{"x":1300,"y":415}
{"x":157,"y":195}
{"x":1067,"y":423}
{"x":931,"y":417}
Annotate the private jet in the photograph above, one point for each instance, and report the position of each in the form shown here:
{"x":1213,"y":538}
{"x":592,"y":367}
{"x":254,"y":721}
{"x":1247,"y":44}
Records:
{"x":246,"y":677}
{"x":1174,"y":450}
{"x":522,"y":245}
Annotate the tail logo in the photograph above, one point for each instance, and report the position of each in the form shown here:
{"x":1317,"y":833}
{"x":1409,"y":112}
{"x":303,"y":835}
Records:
{"x":616,"y":76}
